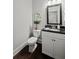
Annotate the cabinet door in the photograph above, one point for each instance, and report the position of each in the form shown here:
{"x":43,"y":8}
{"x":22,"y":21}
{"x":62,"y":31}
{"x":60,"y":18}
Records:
{"x":59,"y":49}
{"x":47,"y":45}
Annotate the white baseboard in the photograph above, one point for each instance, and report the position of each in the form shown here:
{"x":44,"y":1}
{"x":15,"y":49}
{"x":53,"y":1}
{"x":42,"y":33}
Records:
{"x":18,"y":49}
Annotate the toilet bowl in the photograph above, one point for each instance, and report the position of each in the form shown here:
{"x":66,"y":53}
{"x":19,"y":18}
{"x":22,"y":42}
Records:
{"x":32,"y":41}
{"x":32,"y":44}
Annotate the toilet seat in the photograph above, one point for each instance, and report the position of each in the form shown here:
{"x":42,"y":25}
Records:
{"x":32,"y":40}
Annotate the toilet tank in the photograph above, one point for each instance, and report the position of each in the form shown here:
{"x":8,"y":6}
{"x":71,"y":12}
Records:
{"x":36,"y":33}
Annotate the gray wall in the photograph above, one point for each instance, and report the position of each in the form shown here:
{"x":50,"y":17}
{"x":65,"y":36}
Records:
{"x":40,"y":6}
{"x":22,"y":20}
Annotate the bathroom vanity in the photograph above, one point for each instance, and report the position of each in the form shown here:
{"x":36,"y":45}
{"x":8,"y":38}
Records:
{"x":53,"y":35}
{"x":53,"y":44}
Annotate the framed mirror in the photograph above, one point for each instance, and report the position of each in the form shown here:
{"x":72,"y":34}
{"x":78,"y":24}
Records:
{"x":54,"y":14}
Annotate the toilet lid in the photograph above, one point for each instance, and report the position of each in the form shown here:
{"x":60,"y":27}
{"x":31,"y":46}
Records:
{"x":32,"y":40}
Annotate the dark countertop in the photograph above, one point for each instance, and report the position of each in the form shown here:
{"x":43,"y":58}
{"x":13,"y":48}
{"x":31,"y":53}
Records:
{"x":60,"y":32}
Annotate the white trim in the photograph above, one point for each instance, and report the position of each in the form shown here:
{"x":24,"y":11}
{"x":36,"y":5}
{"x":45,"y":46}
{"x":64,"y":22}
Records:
{"x":18,"y":49}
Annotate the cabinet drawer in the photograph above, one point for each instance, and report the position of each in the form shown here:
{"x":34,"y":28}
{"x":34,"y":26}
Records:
{"x":53,"y":35}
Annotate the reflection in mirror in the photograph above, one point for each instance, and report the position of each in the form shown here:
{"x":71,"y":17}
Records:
{"x":54,"y":14}
{"x":53,"y":17}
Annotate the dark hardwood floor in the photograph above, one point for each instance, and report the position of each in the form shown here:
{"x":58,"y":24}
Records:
{"x":37,"y":54}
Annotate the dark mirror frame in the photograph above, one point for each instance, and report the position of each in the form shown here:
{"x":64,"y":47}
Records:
{"x":60,"y":15}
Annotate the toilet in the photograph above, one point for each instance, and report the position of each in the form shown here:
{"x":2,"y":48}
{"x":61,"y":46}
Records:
{"x":32,"y":41}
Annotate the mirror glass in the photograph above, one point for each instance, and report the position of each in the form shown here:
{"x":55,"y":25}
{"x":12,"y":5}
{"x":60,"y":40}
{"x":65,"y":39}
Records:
{"x":54,"y":14}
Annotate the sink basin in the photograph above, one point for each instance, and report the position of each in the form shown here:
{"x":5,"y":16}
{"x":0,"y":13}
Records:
{"x":52,"y":29}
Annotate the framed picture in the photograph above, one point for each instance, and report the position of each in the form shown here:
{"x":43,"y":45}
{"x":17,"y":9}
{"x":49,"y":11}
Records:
{"x":54,"y":15}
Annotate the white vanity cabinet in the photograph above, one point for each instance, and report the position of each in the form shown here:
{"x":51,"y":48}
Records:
{"x":53,"y":44}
